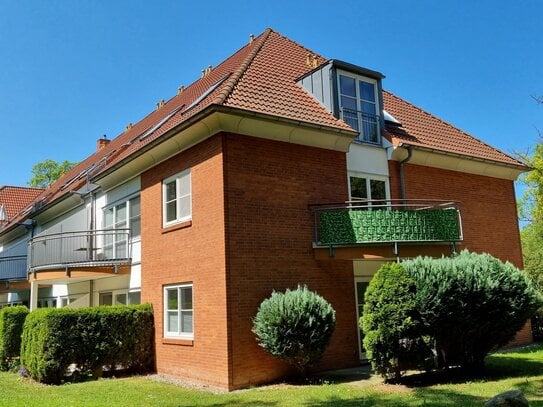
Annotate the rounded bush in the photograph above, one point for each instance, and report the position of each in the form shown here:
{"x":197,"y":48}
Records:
{"x":391,"y":323}
{"x":295,"y":326}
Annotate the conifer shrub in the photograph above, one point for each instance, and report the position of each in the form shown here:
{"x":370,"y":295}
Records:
{"x":391,"y":324}
{"x":11,"y":328}
{"x":470,"y":304}
{"x":295,"y":326}
{"x":87,"y":340}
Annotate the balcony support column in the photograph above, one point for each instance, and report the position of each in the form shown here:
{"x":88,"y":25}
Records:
{"x":33,"y":295}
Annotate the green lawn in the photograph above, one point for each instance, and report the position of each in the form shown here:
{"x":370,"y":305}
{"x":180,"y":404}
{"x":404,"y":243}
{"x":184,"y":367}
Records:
{"x":516,"y":370}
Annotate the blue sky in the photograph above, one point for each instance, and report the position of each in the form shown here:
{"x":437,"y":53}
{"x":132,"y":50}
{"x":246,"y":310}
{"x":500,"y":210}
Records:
{"x":72,"y":71}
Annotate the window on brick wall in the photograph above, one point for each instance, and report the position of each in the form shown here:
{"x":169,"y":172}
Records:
{"x":177,"y":199}
{"x":178,"y":311}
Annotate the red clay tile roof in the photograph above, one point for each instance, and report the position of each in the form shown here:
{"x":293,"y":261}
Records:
{"x":15,"y":199}
{"x":269,"y":86}
{"x":420,"y":128}
{"x":259,"y":77}
{"x":262,"y":77}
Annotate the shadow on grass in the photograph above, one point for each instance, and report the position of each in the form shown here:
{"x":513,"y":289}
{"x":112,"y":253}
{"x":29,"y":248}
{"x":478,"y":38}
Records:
{"x":362,"y":372}
{"x":428,"y":397}
{"x":237,"y":402}
{"x":496,"y":368}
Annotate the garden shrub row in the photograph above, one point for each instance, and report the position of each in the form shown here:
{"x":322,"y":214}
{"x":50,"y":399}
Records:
{"x":444,"y":312}
{"x":11,"y":327}
{"x":86,"y":340}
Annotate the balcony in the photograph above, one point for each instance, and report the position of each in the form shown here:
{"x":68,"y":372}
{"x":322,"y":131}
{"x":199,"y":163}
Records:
{"x":80,"y":250}
{"x":12,"y":268}
{"x":367,"y":125}
{"x":381,"y":222}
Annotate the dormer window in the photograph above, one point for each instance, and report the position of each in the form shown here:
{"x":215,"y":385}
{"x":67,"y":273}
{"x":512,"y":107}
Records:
{"x":359,"y":106}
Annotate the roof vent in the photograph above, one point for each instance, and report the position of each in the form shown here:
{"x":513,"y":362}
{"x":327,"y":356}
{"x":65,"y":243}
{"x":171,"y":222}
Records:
{"x":180,"y":89}
{"x":129,"y":126}
{"x":251,"y":38}
{"x":160,"y":104}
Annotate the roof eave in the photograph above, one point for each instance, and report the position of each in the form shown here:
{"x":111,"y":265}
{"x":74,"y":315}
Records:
{"x":357,"y":69}
{"x":242,"y":122}
{"x":480,"y":166}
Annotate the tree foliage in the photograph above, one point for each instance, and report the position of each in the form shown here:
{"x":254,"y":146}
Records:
{"x":295,"y":326}
{"x":532,"y":250}
{"x":46,"y":172}
{"x":531,"y":211}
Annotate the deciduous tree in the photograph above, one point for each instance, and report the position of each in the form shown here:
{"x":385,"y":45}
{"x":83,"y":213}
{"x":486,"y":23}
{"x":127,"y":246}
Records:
{"x":46,"y":172}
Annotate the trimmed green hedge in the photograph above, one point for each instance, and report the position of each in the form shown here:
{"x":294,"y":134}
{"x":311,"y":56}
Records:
{"x":384,"y":225}
{"x":89,"y":338}
{"x":11,"y":327}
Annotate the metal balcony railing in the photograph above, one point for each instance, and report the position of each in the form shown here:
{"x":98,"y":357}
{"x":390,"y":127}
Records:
{"x":386,"y":221}
{"x":83,"y":249}
{"x":12,"y":268}
{"x":367,"y":125}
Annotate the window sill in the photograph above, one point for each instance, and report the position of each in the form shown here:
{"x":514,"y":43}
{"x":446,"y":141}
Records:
{"x":177,"y":226}
{"x":178,"y":342}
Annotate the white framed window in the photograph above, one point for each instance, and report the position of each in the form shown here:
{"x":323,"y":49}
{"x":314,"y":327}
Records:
{"x":177,"y":198}
{"x":368,"y":187}
{"x":122,"y":215}
{"x":178,"y":311}
{"x":359,"y":105}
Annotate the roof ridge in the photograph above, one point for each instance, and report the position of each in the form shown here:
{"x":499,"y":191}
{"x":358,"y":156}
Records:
{"x":21,"y":187}
{"x":237,"y":74}
{"x":302,"y":46}
{"x":452,"y":125}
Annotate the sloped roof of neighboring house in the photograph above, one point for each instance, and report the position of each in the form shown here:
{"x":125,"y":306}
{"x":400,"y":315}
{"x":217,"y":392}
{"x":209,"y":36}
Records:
{"x":261,"y":77}
{"x":420,"y":128}
{"x":15,"y":199}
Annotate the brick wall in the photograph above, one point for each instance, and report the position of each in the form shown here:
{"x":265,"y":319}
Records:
{"x":269,"y":246}
{"x":196,"y":254}
{"x":252,"y":232}
{"x":487,"y":205}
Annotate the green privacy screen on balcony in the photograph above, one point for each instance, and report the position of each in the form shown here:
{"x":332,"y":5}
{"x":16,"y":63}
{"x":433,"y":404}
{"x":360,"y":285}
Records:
{"x":348,"y":226}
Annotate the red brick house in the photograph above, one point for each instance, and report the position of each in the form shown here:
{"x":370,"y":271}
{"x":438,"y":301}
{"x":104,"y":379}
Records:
{"x":258,"y":177}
